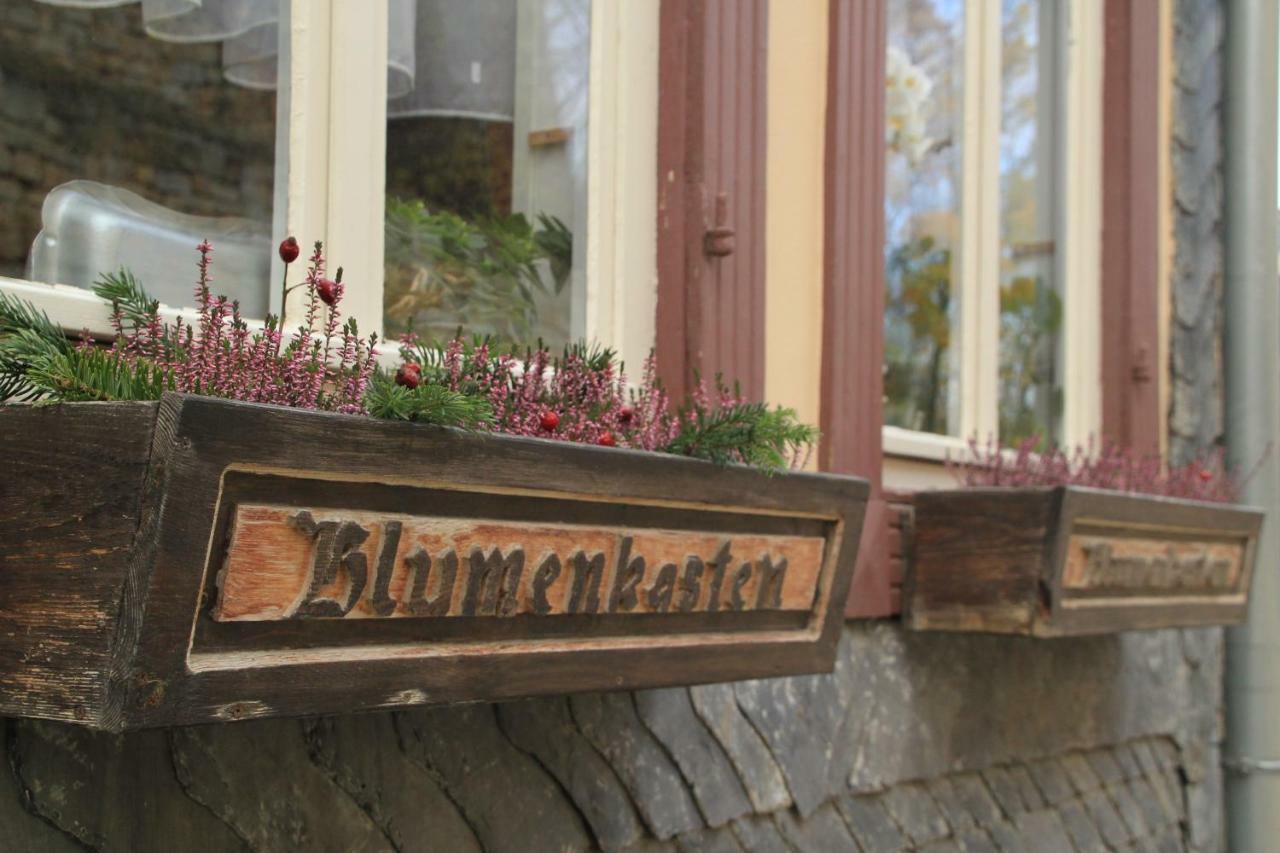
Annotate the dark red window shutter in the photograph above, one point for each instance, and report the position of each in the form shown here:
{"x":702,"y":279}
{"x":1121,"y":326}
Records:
{"x":711,"y":191}
{"x":853,"y":303}
{"x":1130,"y":221}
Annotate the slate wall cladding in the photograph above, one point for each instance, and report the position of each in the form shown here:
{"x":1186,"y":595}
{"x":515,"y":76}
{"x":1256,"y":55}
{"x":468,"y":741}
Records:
{"x":916,"y":742}
{"x":1197,"y":405}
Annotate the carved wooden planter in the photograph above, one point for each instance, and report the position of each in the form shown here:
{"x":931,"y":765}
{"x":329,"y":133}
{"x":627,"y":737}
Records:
{"x":1069,"y":560}
{"x":196,"y":560}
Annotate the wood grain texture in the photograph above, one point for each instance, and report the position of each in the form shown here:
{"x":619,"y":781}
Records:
{"x":402,"y":566}
{"x":1130,"y":321}
{"x":853,"y":268}
{"x":712,"y":114}
{"x":1070,"y":560}
{"x":131,"y":641}
{"x":69,"y":503}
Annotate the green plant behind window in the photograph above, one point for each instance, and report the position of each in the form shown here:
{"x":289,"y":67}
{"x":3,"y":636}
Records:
{"x":489,"y":273}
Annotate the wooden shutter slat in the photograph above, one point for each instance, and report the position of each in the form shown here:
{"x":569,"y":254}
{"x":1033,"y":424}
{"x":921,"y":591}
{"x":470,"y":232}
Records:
{"x":712,"y":136}
{"x":853,"y":300}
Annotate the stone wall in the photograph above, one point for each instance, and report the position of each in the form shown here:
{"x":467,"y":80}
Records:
{"x":916,"y":742}
{"x":1197,"y":369}
{"x":87,"y":94}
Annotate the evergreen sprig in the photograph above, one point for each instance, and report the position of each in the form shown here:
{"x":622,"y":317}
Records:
{"x":428,"y":403}
{"x":128,"y":299}
{"x":749,"y":433}
{"x":27,"y":335}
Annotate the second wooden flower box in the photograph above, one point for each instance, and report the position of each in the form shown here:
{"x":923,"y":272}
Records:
{"x":1073,"y":560}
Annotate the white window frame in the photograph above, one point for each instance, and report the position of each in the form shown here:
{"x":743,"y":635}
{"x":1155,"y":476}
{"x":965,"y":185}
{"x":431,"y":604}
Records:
{"x":335,"y":171}
{"x":1077,"y":256}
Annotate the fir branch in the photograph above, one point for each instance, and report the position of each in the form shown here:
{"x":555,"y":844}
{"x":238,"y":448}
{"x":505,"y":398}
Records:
{"x":749,"y":433}
{"x":26,"y":334}
{"x":93,"y":374}
{"x":428,"y":403}
{"x":127,"y":297}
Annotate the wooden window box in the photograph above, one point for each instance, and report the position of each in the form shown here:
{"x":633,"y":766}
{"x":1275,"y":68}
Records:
{"x":1063,"y":561}
{"x":195,"y":560}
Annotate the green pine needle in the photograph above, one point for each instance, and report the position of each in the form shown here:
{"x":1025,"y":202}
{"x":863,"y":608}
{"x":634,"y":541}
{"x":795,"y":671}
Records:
{"x":95,"y":374}
{"x":749,"y":433}
{"x":126,"y":295}
{"x":428,"y":403}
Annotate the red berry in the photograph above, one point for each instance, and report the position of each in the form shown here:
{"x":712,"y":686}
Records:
{"x":549,"y":421}
{"x":409,"y":375}
{"x":607,"y":440}
{"x":289,"y":250}
{"x":626,"y":414}
{"x":1206,"y":474}
{"x":327,"y":290}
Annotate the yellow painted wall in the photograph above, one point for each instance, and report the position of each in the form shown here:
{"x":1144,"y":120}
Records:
{"x":797,"y":93}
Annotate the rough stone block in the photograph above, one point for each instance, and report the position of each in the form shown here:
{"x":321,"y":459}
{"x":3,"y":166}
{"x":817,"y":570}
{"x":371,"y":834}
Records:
{"x":1128,"y":762}
{"x":1005,"y":789}
{"x":1153,"y":813}
{"x":1052,"y":781}
{"x":976,"y":798}
{"x":235,"y":772}
{"x":1105,"y":818}
{"x":1079,"y":772}
{"x":1104,"y":766}
{"x":916,"y":813}
{"x":508,"y":799}
{"x":1076,"y":820}
{"x":1042,"y":832}
{"x":802,"y":720}
{"x":718,"y":708}
{"x":610,"y":722}
{"x":719,"y":840}
{"x":821,"y":830}
{"x":759,"y":834}
{"x":869,"y":822}
{"x":362,"y":754}
{"x":544,"y":728}
{"x":669,"y":714}
{"x":948,"y":799}
{"x":1030,"y":792}
{"x":1130,"y":811}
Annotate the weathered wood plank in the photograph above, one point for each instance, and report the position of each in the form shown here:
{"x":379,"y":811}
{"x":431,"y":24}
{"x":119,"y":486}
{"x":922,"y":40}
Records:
{"x":68,"y":514}
{"x":266,"y":561}
{"x":1072,"y":560}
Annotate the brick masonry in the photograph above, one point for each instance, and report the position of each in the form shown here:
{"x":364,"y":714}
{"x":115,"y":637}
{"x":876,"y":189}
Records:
{"x":85,"y":93}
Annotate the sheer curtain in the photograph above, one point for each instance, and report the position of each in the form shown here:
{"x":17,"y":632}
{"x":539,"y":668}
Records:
{"x":444,"y":57}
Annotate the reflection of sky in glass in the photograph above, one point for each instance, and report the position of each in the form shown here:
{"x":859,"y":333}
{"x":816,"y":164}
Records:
{"x":930,"y":33}
{"x":566,"y":29}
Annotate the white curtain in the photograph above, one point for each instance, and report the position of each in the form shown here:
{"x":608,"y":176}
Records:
{"x":444,"y":57}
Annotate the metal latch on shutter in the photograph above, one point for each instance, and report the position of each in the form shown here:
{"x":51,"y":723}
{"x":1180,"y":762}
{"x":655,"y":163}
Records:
{"x":720,"y":239}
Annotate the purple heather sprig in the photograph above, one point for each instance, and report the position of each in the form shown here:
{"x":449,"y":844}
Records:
{"x":319,"y":368}
{"x":1105,"y":466}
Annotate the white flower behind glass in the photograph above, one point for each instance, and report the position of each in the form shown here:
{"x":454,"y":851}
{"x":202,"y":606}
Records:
{"x":907,"y":90}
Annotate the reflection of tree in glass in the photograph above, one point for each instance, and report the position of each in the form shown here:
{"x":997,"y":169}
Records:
{"x":484,"y":274}
{"x":1030,"y":320}
{"x":922,"y":196}
{"x":918,"y":335}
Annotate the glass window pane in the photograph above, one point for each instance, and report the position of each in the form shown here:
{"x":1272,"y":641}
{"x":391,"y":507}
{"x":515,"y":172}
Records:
{"x":1030,"y":301}
{"x":922,"y":205}
{"x":486,"y":171}
{"x":126,"y":139}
